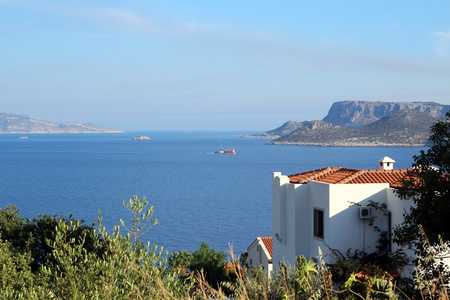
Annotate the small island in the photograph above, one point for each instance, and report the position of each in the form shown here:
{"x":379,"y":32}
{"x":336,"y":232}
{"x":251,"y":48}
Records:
{"x":141,"y":137}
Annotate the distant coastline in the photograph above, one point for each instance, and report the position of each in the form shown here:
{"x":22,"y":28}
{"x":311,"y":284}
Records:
{"x":22,"y":124}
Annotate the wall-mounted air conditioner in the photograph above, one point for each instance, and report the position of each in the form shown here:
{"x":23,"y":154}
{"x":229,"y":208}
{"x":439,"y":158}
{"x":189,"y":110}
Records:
{"x":365,"y":212}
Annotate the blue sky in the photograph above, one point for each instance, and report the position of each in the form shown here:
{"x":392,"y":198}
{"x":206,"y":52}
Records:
{"x":217,"y":65}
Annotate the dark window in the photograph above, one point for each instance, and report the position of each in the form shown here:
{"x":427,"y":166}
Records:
{"x":388,"y":164}
{"x":318,"y":223}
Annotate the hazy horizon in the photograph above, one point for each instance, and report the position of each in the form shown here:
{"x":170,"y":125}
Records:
{"x":231,"y":65}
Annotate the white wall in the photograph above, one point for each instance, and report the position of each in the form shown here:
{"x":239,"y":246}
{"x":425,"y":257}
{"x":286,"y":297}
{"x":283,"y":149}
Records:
{"x":279,"y":235}
{"x":290,"y":222}
{"x":348,"y":231}
{"x":398,"y":207}
{"x":303,"y":221}
{"x":293,"y":217}
{"x":283,"y":219}
{"x":319,"y":199}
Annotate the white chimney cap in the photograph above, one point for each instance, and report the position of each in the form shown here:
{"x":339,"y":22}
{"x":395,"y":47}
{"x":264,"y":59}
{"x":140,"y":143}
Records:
{"x":386,"y":160}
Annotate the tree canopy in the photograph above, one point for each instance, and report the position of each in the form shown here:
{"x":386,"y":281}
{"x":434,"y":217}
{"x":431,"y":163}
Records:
{"x":426,"y":227}
{"x":429,"y":189}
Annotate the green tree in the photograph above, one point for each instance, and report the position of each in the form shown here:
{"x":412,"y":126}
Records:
{"x":429,"y":189}
{"x":16,"y":279}
{"x":187,"y":265}
{"x":212,"y":262}
{"x":123,"y":269}
{"x":142,"y":217}
{"x":34,"y":236}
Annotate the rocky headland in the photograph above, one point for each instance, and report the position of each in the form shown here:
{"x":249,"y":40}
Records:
{"x":285,"y":129}
{"x":363,"y":123}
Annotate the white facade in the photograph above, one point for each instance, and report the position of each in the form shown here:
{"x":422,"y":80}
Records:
{"x":294,"y":206}
{"x":259,"y":254}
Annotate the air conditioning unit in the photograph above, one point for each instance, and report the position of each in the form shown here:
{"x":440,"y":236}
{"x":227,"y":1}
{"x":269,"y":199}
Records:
{"x":365,"y":212}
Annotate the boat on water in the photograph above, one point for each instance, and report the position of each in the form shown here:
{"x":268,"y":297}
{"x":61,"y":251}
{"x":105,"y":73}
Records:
{"x":141,"y":137}
{"x":226,"y":151}
{"x":23,"y":137}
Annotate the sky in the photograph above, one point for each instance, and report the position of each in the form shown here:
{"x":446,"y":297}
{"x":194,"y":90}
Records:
{"x":217,"y":65}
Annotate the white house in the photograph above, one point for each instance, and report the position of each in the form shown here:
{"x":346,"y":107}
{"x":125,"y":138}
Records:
{"x":329,"y":207}
{"x":260,"y":252}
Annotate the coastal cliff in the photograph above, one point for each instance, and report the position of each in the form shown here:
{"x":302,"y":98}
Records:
{"x":360,"y":113}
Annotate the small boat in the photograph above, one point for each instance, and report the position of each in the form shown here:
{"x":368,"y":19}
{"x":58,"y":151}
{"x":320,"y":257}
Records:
{"x":23,"y":137}
{"x":226,"y":151}
{"x":141,"y":137}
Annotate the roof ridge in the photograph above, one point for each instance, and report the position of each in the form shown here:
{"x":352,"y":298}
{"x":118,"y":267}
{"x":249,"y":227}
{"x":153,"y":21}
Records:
{"x":322,"y":173}
{"x":388,"y":171}
{"x":353,"y":176}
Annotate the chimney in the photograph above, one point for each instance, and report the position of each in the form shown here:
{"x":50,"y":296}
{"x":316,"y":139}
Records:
{"x":386,"y":163}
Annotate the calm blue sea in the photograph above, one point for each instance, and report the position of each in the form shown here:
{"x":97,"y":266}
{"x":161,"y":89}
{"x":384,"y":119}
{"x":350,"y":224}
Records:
{"x":197,"y":195}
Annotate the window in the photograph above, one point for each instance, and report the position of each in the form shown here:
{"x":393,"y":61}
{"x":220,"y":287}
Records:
{"x":318,"y":223}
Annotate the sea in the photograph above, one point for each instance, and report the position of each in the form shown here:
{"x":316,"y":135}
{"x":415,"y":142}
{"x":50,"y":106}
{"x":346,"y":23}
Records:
{"x":224,"y":200}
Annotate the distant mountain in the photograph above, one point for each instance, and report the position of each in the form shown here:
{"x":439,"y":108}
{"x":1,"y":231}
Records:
{"x":13,"y":123}
{"x":407,"y":127}
{"x":360,"y":113}
{"x":285,"y":129}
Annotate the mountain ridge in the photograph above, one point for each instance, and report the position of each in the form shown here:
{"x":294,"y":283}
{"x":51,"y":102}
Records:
{"x":356,"y":113}
{"x":407,"y":127}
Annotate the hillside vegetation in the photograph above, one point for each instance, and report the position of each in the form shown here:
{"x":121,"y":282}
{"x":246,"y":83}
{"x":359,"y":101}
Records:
{"x":53,"y":257}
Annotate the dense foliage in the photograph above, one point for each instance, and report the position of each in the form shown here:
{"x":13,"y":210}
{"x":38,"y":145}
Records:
{"x":35,"y":236}
{"x":429,"y":189}
{"x":78,"y":262}
{"x":209,"y":260}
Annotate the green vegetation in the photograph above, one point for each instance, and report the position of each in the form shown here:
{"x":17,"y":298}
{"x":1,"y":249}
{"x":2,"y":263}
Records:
{"x":429,"y":189}
{"x":52,"y":257}
{"x":189,"y":265}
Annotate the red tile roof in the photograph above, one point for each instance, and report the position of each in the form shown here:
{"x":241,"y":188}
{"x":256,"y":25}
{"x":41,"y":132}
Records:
{"x":351,"y":176}
{"x":267,"y":241}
